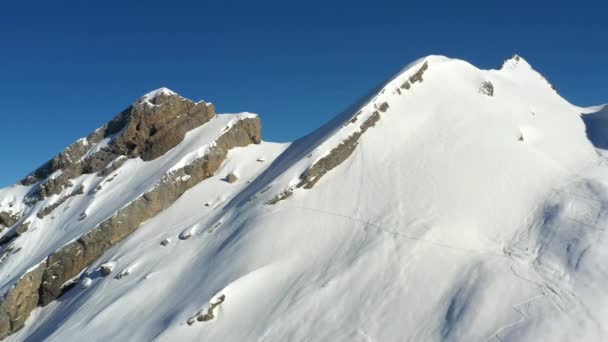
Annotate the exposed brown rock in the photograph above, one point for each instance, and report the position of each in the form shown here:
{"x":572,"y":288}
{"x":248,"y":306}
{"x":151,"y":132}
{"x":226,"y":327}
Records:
{"x":353,"y":119}
{"x":146,"y":129}
{"x":118,"y":162}
{"x":167,"y":115}
{"x":209,"y":315}
{"x":339,"y":154}
{"x":67,"y":262}
{"x":383,"y":107}
{"x":7,"y":219}
{"x":10,"y":236}
{"x":64,"y":160}
{"x":487,"y":88}
{"x":335,"y":157}
{"x":281,"y":196}
{"x":17,"y":304}
{"x":154,"y":127}
{"x":22,"y":228}
{"x":417,"y":76}
{"x":106,"y":269}
{"x":231,"y":178}
{"x":49,"y":209}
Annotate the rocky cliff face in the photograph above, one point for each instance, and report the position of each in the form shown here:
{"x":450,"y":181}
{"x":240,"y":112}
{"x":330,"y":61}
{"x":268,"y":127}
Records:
{"x":17,"y":304}
{"x":148,"y":129}
{"x":70,"y":260}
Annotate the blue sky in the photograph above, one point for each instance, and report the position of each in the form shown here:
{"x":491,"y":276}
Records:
{"x":67,"y":67}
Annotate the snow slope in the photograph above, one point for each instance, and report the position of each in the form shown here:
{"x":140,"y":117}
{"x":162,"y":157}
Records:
{"x":458,"y":217}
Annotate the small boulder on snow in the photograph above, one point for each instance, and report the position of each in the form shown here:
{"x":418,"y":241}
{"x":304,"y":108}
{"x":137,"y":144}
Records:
{"x":208,"y":314}
{"x":383,"y":107}
{"x":106,"y":269}
{"x":231,"y":178}
{"x":123,"y":274}
{"x":165,"y":242}
{"x":186,"y":233}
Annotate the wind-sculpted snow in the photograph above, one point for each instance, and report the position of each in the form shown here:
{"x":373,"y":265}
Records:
{"x":436,"y":209}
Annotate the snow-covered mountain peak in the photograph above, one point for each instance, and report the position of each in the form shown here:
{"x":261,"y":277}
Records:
{"x":484,"y":183}
{"x":516,"y":62}
{"x":155,"y":97}
{"x":160,"y":91}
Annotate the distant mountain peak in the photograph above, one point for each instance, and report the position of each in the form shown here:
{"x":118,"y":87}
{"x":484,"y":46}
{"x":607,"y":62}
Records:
{"x":516,"y":62}
{"x":153,"y":97}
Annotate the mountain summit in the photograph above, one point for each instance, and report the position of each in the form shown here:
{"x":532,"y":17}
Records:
{"x":452,"y":204}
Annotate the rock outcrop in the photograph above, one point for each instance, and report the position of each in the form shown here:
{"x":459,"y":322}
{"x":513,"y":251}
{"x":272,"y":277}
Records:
{"x":17,"y":304}
{"x":154,"y":125}
{"x":48,"y":281}
{"x":7,"y":219}
{"x":148,"y":128}
{"x":231,"y":178}
{"x":487,"y":88}
{"x":49,"y":209}
{"x":336,"y":156}
{"x":74,"y":257}
{"x":345,"y":149}
{"x":106,"y":269}
{"x":209,"y":314}
{"x":416,"y":77}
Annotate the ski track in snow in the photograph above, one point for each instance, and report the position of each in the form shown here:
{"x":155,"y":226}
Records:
{"x":521,"y":320}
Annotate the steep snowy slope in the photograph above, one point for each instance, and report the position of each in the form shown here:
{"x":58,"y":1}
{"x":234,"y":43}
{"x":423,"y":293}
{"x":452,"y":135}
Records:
{"x":66,"y":214}
{"x":453,"y":204}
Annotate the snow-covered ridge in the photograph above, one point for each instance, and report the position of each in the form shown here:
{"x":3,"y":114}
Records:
{"x":496,"y":198}
{"x":399,"y":91}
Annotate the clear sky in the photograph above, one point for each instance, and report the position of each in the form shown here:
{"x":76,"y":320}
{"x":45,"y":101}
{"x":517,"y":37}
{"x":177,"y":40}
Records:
{"x":67,"y":67}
